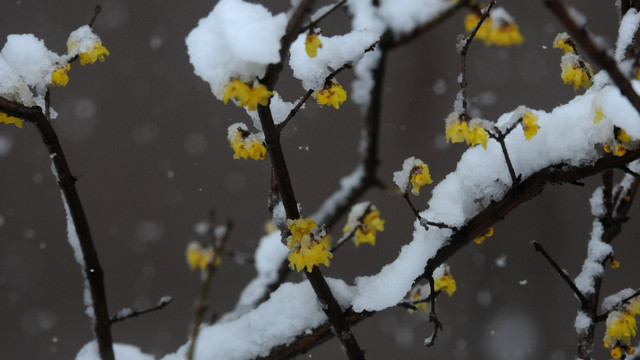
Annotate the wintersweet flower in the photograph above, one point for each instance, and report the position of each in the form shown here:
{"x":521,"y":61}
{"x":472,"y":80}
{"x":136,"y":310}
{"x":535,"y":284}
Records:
{"x":576,"y":71}
{"x":505,"y":35}
{"x":235,"y":89}
{"x":457,"y":129}
{"x":616,"y":352}
{"x":258,"y":95}
{"x":615,"y":264}
{"x":59,"y":76}
{"x":247,"y":96}
{"x":332,"y":94}
{"x":598,"y":116}
{"x":418,"y":296}
{"x":622,"y":135}
{"x":365,"y":219}
{"x":309,"y":245}
{"x":620,"y":150}
{"x":312,"y":43}
{"x":621,"y":326}
{"x":470,"y":22}
{"x":445,"y":283}
{"x":530,"y":125}
{"x":499,"y":29}
{"x":420,"y":176}
{"x":199,"y":257}
{"x":244,"y":144}
{"x":98,"y":52}
{"x":477,"y":134}
{"x":480,"y":239}
{"x":564,"y":42}
{"x":4,"y":118}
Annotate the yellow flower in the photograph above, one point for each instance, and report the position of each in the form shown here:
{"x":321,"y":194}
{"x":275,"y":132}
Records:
{"x":564,"y":42}
{"x":457,"y":130}
{"x":244,"y":144}
{"x":246,"y":96}
{"x":300,"y":228}
{"x":616,"y":352}
{"x":332,"y":94}
{"x":622,"y":135}
{"x":598,"y":115}
{"x":446,"y":283}
{"x":371,"y":224}
{"x":615,"y":264}
{"x":505,"y":35}
{"x":98,"y":52}
{"x":310,"y":252}
{"x":621,"y":326}
{"x":312,"y":43}
{"x":477,"y":135}
{"x":480,"y":239}
{"x":530,"y":125}
{"x":4,"y":118}
{"x":418,"y":299}
{"x":59,"y":76}
{"x":575,"y":71}
{"x":420,"y":176}
{"x":199,"y":256}
{"x":470,"y":22}
{"x":620,"y":150}
{"x":607,"y":148}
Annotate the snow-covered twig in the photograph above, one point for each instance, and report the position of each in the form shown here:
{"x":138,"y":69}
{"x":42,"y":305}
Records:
{"x":127,"y":313}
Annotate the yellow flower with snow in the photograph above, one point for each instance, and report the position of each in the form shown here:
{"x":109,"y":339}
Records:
{"x":6,"y":119}
{"x":59,"y":76}
{"x":477,"y":134}
{"x":621,"y":326}
{"x":530,"y":125}
{"x":564,"y":42}
{"x":309,"y":246}
{"x":247,"y":96}
{"x":98,"y":52}
{"x":332,"y":94}
{"x":499,"y":29}
{"x":576,"y":71}
{"x":312,"y":43}
{"x":418,"y":297}
{"x":620,"y":150}
{"x":598,"y":115}
{"x":365,"y":219}
{"x":457,"y":129}
{"x":622,"y":135}
{"x":480,"y":239}
{"x":199,"y":257}
{"x":420,"y":176}
{"x":445,"y":283}
{"x":244,"y":144}
{"x":615,"y":264}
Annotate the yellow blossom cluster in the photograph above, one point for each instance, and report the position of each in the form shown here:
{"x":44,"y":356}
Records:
{"x":332,"y":94}
{"x":621,"y":143}
{"x":445,"y":283}
{"x":95,"y":53}
{"x":530,"y":125}
{"x":245,"y":95}
{"x":500,"y":31}
{"x":199,"y":256}
{"x":6,"y":119}
{"x":244,"y":144}
{"x":621,"y":327}
{"x":472,"y":132}
{"x":308,"y":245}
{"x":419,"y":176}
{"x":366,"y":224}
{"x":59,"y":76}
{"x":312,"y":43}
{"x":564,"y":42}
{"x":574,"y":70}
{"x":480,"y":239}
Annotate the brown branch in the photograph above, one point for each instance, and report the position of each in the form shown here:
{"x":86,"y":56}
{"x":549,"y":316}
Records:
{"x":96,"y":11}
{"x":581,"y":36}
{"x":124,"y":315}
{"x":563,"y":274}
{"x":315,"y":22}
{"x":66,"y":182}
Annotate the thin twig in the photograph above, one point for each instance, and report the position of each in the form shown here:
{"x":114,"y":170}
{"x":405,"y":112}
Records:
{"x":433,"y":316}
{"x":127,"y":314}
{"x":315,"y":22}
{"x":601,"y":56}
{"x":424,"y":222}
{"x":559,"y":270}
{"x":499,"y":137}
{"x":96,"y":11}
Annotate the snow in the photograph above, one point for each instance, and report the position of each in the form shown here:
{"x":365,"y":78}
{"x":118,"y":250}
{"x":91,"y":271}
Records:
{"x":628,"y":27}
{"x":82,"y":40}
{"x":592,"y":267}
{"x":616,"y":299}
{"x":121,"y":352}
{"x":280,"y":109}
{"x":291,"y":310}
{"x":401,"y":178}
{"x":404,"y":16}
{"x":236,"y":40}
{"x":582,"y":323}
{"x":336,"y":51}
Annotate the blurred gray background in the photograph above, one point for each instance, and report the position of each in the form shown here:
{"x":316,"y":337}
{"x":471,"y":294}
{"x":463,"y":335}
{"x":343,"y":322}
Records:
{"x":148,"y":142}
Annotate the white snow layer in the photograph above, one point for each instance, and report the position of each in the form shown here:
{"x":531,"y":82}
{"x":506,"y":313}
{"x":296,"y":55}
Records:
{"x":290,"y":311}
{"x":628,"y":27}
{"x":236,"y":40}
{"x":121,"y":351}
{"x":336,"y":51}
{"x":404,"y":16}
